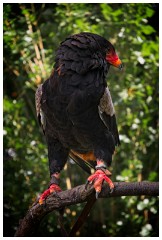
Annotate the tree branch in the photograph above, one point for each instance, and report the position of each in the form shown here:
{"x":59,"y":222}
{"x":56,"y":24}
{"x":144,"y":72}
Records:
{"x":79,"y":194}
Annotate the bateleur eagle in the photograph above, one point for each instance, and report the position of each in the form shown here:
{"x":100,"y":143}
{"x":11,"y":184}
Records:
{"x":75,"y":109}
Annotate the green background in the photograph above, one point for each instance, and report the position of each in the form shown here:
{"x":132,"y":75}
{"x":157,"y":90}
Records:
{"x":32,"y":33}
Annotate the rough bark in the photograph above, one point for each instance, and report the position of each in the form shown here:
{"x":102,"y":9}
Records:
{"x":79,"y":194}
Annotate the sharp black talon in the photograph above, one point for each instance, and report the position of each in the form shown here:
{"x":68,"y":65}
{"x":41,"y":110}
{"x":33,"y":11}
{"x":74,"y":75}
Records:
{"x":86,"y":185}
{"x":44,"y":205}
{"x":54,"y":194}
{"x":111,"y":190}
{"x":97,"y":194}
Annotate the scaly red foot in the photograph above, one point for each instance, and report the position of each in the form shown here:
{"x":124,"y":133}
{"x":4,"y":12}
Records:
{"x":53,"y":188}
{"x":99,"y":177}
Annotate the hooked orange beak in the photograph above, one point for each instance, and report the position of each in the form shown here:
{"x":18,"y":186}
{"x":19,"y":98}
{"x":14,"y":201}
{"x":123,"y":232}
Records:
{"x":114,"y":60}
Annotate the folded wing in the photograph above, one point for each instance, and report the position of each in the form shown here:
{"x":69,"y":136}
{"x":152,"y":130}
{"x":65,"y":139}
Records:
{"x":107,"y":114}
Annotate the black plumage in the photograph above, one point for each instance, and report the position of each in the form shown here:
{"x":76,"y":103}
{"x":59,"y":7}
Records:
{"x":69,"y":103}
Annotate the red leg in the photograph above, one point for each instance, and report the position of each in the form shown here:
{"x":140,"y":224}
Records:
{"x":53,"y":188}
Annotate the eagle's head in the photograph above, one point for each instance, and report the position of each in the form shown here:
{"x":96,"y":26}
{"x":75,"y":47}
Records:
{"x":84,"y":52}
{"x":106,"y":48}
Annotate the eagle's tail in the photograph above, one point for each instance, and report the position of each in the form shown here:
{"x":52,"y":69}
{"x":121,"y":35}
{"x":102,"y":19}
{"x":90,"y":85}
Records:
{"x":87,"y":166}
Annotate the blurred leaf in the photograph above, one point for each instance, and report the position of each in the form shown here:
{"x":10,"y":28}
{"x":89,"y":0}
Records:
{"x":148,"y":29}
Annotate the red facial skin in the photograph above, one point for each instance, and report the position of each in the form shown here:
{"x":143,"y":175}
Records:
{"x":113,"y":59}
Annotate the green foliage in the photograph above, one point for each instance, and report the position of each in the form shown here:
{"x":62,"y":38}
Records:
{"x":32,"y":33}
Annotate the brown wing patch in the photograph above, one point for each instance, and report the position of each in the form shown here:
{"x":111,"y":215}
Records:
{"x":107,"y":114}
{"x":85,"y":156}
{"x":106,"y":104}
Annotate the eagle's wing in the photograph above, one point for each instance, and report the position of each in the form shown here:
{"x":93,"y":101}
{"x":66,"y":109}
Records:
{"x":40,"y":113}
{"x":107,"y":114}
